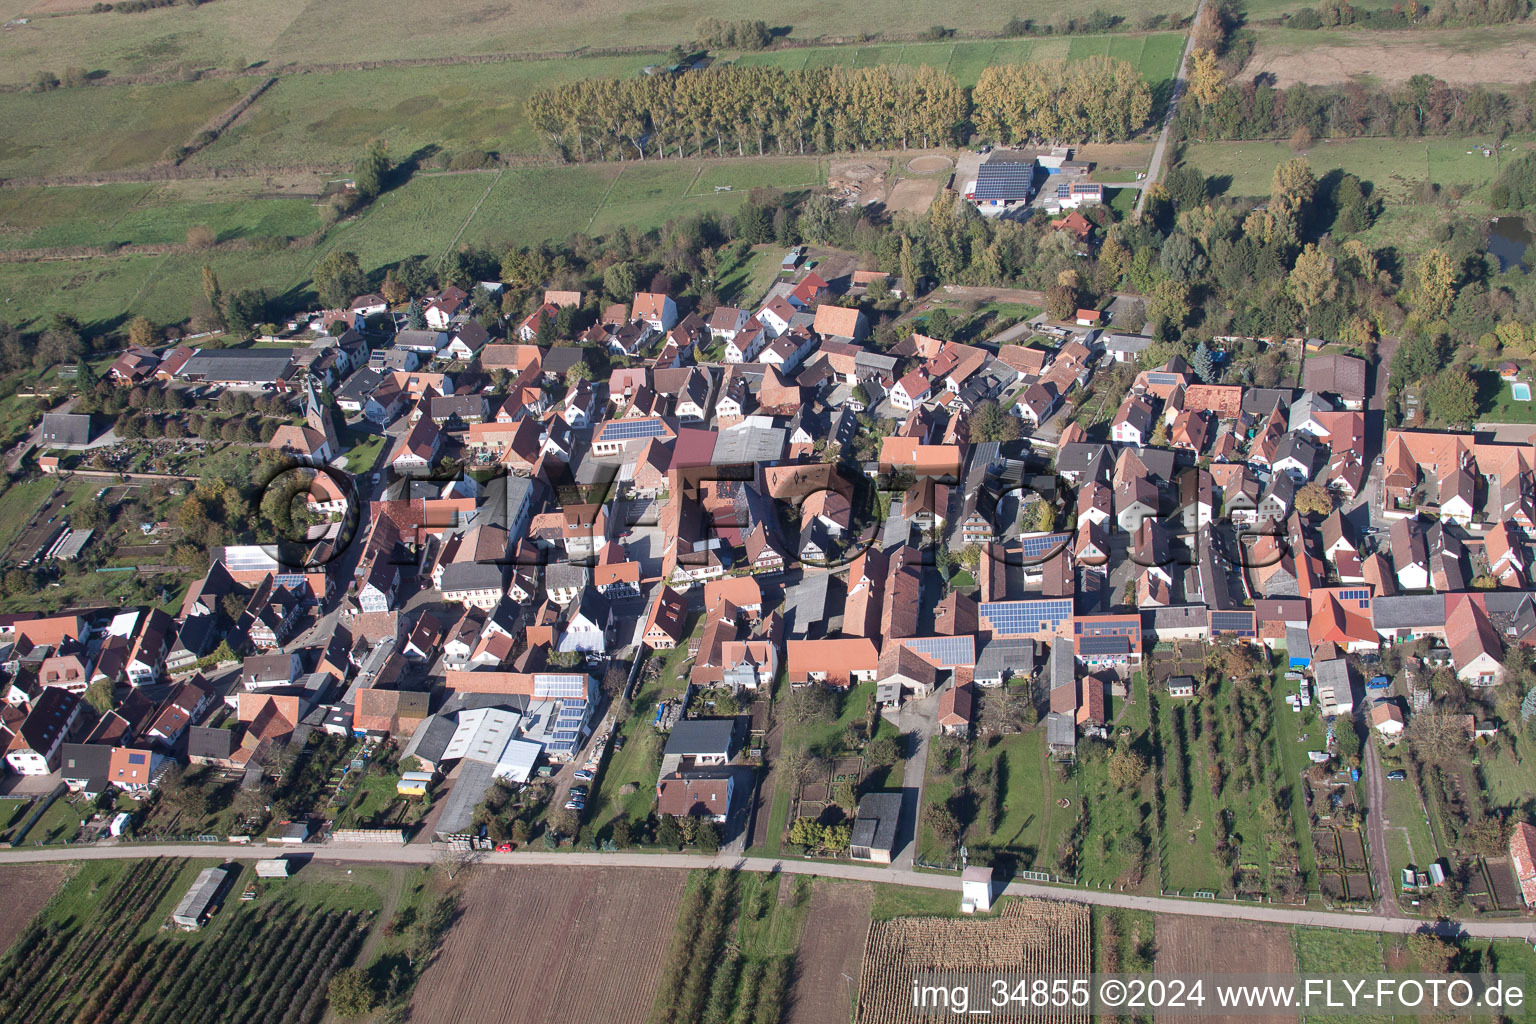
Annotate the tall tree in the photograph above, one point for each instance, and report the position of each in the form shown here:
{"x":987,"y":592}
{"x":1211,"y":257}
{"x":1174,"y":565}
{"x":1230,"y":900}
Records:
{"x":371,"y":171}
{"x":339,"y":279}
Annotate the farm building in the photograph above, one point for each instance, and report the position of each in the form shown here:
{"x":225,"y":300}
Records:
{"x":200,"y":900}
{"x":276,"y":867}
{"x":1004,"y":179}
{"x":874,"y":830}
{"x":1522,"y":854}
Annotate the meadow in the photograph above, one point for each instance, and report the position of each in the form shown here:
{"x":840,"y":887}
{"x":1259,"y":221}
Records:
{"x":425,"y":217}
{"x":1395,"y":166}
{"x":147,"y":214}
{"x":78,"y":131}
{"x":279,"y":32}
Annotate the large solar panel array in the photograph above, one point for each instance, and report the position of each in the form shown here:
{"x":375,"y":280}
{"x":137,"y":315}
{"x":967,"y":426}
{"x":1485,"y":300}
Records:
{"x":248,"y":558}
{"x":1160,"y":378}
{"x":1004,"y":180}
{"x":1018,"y":617}
{"x":1093,"y":645}
{"x":948,"y":651}
{"x":1034,"y":547}
{"x":630,"y":430}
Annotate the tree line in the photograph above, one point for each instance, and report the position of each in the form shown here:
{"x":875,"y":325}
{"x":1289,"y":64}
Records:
{"x":1425,"y":105}
{"x":752,"y":110}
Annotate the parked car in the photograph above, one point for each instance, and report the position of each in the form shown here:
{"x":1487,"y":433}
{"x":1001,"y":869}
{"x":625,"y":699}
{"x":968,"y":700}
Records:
{"x":583,"y":775}
{"x":579,"y":792}
{"x":1397,"y":776}
{"x":503,"y":847}
{"x":575,"y":805}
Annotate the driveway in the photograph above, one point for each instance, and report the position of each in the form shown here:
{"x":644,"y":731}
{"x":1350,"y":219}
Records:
{"x":1376,"y":832}
{"x":917,"y":720}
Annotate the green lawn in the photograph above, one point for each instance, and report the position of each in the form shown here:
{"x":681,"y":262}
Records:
{"x":747,"y":281}
{"x":1290,"y":726}
{"x":1509,"y":779}
{"x":364,"y":452}
{"x":18,"y":503}
{"x":1497,"y":402}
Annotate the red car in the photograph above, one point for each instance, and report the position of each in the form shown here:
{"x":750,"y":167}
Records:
{"x":504,"y":848}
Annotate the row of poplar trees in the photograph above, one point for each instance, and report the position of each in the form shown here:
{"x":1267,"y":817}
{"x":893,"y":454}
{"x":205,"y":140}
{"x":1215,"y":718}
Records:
{"x":746,"y":111}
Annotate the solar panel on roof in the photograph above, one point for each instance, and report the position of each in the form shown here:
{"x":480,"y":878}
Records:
{"x":1163,"y":378}
{"x":1104,"y":645}
{"x":1035,"y":547}
{"x":1229,"y":621}
{"x":948,"y":651}
{"x":629,"y":430}
{"x":1026,"y":616}
{"x":1004,"y":181}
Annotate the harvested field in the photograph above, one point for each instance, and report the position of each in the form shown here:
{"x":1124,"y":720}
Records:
{"x":831,"y":946}
{"x":1028,"y":936}
{"x":598,"y":938}
{"x":1391,"y":58}
{"x":24,"y":890}
{"x":1189,"y":945}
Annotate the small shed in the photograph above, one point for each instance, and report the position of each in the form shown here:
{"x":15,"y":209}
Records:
{"x":119,"y":823}
{"x":277,"y":867}
{"x":976,"y":890}
{"x":413,"y":783}
{"x":1181,"y":686}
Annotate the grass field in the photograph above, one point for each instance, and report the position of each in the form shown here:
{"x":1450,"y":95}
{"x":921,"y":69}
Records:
{"x":76,"y":131}
{"x":329,"y":117}
{"x":423,"y":217}
{"x":160,"y":214}
{"x":1156,"y":54}
{"x":1394,"y":166}
{"x":277,"y":32}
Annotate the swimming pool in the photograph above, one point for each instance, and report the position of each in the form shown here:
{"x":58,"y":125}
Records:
{"x":1521,"y":389}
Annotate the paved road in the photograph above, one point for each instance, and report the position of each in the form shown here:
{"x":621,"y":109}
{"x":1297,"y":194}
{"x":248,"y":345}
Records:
{"x":1155,"y":169}
{"x":362,"y":853}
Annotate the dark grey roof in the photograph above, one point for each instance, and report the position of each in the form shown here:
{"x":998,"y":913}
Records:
{"x":458,"y":817}
{"x":204,"y":741}
{"x":1304,"y":449}
{"x":65,"y":428}
{"x":1060,"y":730}
{"x":1408,"y":611}
{"x":1079,"y":456}
{"x":875,"y":826}
{"x":701,"y":736}
{"x":90,"y":761}
{"x":1061,"y":668}
{"x":260,"y":365}
{"x":471,"y":576}
{"x":1006,"y":655}
{"x":1297,"y":643}
{"x":1160,"y":462}
{"x":1182,"y":616}
{"x":1262,"y":401}
{"x":431,"y":738}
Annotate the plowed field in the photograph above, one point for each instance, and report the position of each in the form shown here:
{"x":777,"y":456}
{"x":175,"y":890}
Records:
{"x":553,"y":945}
